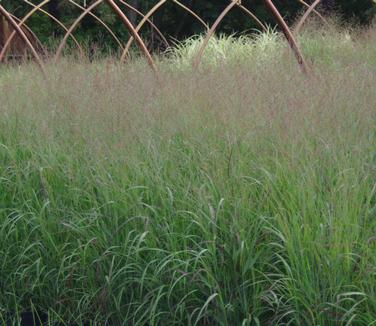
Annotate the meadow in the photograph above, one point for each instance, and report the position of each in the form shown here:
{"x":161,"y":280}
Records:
{"x":240,"y":194}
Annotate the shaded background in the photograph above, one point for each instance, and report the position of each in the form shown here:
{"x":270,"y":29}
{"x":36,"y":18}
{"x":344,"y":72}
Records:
{"x":174,"y":22}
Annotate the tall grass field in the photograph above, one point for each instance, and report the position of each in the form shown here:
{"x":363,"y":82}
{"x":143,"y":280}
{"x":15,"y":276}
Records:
{"x":240,"y":194}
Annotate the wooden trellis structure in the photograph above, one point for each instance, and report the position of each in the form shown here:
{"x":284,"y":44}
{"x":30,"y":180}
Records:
{"x":17,"y":38}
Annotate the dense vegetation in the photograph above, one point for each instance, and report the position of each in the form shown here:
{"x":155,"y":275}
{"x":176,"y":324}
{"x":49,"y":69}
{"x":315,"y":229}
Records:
{"x":175,"y":22}
{"x":243,"y":194}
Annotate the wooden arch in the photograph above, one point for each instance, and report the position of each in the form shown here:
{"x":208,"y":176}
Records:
{"x":151,"y":12}
{"x":19,"y":27}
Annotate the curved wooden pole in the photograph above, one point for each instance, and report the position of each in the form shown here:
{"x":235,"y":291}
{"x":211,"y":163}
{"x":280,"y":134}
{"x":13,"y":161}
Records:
{"x":288,"y":34}
{"x":59,"y":23}
{"x":21,"y":24}
{"x":253,"y":16}
{"x":100,"y":21}
{"x":152,"y":25}
{"x":20,"y":32}
{"x":130,"y":27}
{"x":73,"y":27}
{"x":211,"y":32}
{"x":315,"y":12}
{"x":151,"y":12}
{"x":305,"y":16}
{"x":29,"y":30}
{"x":192,"y":13}
{"x":138,"y":28}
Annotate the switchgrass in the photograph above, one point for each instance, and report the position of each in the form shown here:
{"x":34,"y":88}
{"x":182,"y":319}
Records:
{"x":243,"y":194}
{"x":227,"y":49}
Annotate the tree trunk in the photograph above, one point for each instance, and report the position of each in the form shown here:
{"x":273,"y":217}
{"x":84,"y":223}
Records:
{"x":53,"y":8}
{"x":132,"y":16}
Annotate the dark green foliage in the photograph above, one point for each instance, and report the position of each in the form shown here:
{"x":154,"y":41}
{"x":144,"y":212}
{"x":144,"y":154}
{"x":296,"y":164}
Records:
{"x":175,"y":22}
